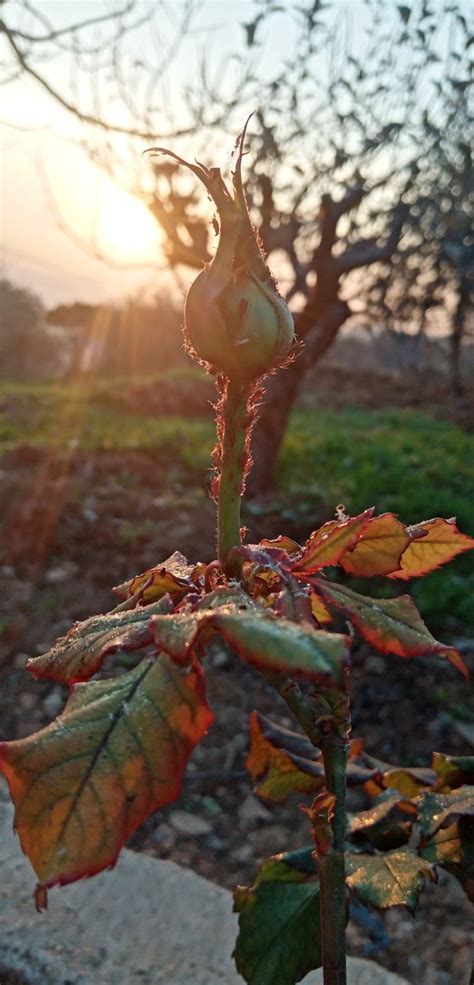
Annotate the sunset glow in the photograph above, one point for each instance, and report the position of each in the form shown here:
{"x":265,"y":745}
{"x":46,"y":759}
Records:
{"x":127,"y":230}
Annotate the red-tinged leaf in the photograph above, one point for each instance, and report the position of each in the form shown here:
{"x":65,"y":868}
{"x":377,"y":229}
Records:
{"x":327,"y":545}
{"x":81,"y":653}
{"x":294,"y":602}
{"x":320,"y":611}
{"x":282,"y":544}
{"x":264,"y":557}
{"x":85,"y":783}
{"x":260,"y":638}
{"x":263,"y":568}
{"x":220,"y":597}
{"x":408,"y":780}
{"x":180,"y":633}
{"x":281,"y":645}
{"x":379,"y":548}
{"x":432,"y":544}
{"x":173,"y":577}
{"x":281,"y":762}
{"x":392,"y":625}
{"x":177,"y":634}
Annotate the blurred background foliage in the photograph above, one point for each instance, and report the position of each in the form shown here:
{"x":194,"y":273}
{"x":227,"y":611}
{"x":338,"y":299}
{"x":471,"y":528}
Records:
{"x":359,"y":177}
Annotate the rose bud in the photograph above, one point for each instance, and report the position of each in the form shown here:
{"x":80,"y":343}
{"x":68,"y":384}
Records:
{"x":235,"y":319}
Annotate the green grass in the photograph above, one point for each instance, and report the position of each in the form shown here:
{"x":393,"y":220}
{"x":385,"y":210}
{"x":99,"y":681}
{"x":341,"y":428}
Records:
{"x":59,"y":416}
{"x":397,"y":460}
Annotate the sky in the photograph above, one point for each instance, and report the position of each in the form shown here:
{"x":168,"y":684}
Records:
{"x":67,"y":230}
{"x":56,"y":207}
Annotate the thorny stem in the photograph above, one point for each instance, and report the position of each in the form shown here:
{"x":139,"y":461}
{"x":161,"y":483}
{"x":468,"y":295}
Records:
{"x":233,"y":462}
{"x":329,"y":733}
{"x":331,"y":868}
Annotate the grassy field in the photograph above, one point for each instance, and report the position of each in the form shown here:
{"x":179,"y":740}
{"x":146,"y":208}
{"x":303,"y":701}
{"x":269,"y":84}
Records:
{"x":395,"y":460}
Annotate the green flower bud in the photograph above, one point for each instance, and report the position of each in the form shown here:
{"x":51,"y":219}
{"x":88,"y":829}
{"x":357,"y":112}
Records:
{"x":235,"y":319}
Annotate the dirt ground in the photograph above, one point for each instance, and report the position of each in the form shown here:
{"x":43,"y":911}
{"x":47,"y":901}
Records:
{"x":74,"y":524}
{"x":331,"y":386}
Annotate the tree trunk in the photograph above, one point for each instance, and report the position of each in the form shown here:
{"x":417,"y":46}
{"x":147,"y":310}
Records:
{"x":459,"y":319}
{"x":317,"y":329}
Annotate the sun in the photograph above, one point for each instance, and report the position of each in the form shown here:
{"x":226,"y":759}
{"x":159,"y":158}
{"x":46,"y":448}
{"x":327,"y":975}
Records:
{"x":106,"y":220}
{"x":126,"y":229}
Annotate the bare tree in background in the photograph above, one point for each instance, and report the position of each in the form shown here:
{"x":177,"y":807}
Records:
{"x":434,"y":267}
{"x":343,"y":174}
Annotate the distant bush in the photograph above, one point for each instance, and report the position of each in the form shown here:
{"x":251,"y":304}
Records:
{"x":120,"y":340}
{"x":27,"y":347}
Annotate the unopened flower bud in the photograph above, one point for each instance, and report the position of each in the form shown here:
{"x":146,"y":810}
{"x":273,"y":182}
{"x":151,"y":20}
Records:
{"x":235,"y":319}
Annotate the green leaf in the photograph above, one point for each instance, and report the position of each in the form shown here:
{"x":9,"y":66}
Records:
{"x":178,"y":634}
{"x":452,"y":847}
{"x":393,"y":879}
{"x":392,"y":625}
{"x":382,"y":807}
{"x":260,"y":638}
{"x":84,"y":784}
{"x":279,"y":919}
{"x":220,"y":597}
{"x":81,"y":653}
{"x":378,"y":827}
{"x":295,"y":866}
{"x":454,"y":771}
{"x":281,"y":645}
{"x":453,"y":844}
{"x":438,"y":809}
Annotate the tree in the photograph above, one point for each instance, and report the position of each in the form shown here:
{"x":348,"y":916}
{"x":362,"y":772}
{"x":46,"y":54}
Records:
{"x":347,"y":107}
{"x":435,"y":266}
{"x":25,"y":346}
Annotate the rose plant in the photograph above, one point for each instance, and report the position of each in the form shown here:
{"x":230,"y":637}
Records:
{"x":119,"y":750}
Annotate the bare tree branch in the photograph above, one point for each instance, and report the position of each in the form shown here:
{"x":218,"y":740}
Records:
{"x":95,"y":121}
{"x":52,"y":34}
{"x":368,"y":251}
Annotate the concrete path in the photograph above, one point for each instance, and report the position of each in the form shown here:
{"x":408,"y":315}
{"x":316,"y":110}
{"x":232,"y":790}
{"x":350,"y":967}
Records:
{"x":147,"y":922}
